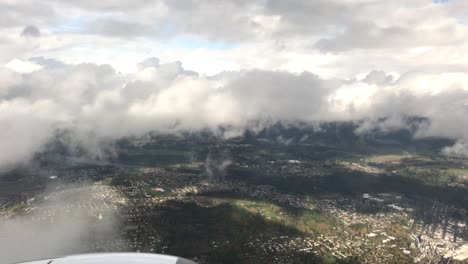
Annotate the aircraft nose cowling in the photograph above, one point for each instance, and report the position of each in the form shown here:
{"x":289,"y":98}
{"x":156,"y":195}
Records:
{"x":116,"y":258}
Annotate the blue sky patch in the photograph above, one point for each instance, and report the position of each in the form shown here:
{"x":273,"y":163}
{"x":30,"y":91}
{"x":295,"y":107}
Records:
{"x":191,"y":43}
{"x":75,"y":25}
{"x":441,"y":1}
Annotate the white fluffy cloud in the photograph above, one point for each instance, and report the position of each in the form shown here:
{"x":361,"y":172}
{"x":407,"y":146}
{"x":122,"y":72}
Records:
{"x":26,"y":126}
{"x":99,"y":105}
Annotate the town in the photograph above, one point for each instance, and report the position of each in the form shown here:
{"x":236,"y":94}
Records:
{"x":298,"y":210}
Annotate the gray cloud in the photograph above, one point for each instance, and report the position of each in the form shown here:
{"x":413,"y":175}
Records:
{"x":312,"y":17}
{"x":55,"y":225}
{"x":112,"y":5}
{"x":329,"y":26}
{"x":48,"y":62}
{"x":371,"y":36}
{"x":115,"y":27}
{"x":19,"y":13}
{"x":31,"y":31}
{"x":98,"y":105}
{"x":379,"y":78}
{"x":459,"y":149}
{"x":149,"y":62}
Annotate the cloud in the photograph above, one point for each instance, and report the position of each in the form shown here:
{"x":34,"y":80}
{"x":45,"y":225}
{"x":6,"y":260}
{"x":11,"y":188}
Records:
{"x":31,"y":31}
{"x":120,"y":28}
{"x":379,"y":78}
{"x":370,"y":36}
{"x":58,"y":226}
{"x":26,"y":126}
{"x":216,"y":164}
{"x":336,"y":38}
{"x":460,"y":149}
{"x":22,"y":66}
{"x":149,"y":62}
{"x":48,"y":62}
{"x":19,"y":13}
{"x":98,"y":105}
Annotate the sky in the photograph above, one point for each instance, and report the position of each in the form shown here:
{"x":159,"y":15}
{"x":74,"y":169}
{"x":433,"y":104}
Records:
{"x":104,"y":70}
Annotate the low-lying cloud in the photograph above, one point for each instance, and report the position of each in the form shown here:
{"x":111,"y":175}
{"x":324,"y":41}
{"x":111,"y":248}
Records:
{"x":98,"y":105}
{"x":58,"y":225}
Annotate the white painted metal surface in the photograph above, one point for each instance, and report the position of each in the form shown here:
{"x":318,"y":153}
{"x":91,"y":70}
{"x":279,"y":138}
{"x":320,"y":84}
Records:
{"x":115,"y":258}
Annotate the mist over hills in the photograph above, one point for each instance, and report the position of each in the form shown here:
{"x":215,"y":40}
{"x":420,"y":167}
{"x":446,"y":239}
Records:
{"x":90,"y":107}
{"x":345,"y":136}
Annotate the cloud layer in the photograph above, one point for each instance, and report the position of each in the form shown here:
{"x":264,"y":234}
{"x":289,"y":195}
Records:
{"x":335,"y":38}
{"x":98,"y":105}
{"x":57,"y":225}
